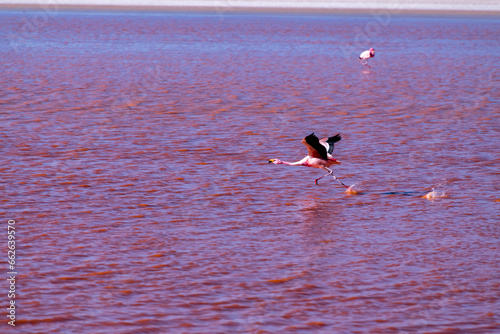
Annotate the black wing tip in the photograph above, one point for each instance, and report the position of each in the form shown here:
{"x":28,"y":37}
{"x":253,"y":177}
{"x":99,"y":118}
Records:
{"x":334,"y":139}
{"x":311,"y":135}
{"x":331,"y":142}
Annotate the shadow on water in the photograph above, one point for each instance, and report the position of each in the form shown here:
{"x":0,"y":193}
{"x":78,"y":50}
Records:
{"x":405,"y":193}
{"x":429,"y":194}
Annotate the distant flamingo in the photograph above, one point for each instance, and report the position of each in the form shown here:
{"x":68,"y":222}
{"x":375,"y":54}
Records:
{"x":319,"y":155}
{"x":365,"y":55}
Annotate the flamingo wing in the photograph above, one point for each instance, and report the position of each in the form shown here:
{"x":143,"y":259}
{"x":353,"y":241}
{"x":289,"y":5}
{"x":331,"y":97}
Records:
{"x":314,"y":147}
{"x":329,"y":142}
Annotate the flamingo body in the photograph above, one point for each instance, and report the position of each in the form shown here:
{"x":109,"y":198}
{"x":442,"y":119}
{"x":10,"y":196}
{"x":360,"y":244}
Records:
{"x":365,"y":55}
{"x":319,"y":155}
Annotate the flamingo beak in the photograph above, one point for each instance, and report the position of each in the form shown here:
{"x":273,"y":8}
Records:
{"x":271,"y":160}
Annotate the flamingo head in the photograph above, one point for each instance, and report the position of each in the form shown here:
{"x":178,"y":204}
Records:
{"x":275,"y":161}
{"x":372,"y":50}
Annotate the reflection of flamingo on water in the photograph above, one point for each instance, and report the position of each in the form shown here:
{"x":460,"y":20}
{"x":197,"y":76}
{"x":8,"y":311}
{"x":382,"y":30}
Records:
{"x":319,"y":155}
{"x":365,"y":55}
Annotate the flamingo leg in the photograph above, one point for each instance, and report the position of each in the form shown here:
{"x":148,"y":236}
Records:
{"x":316,"y":181}
{"x":364,"y":62}
{"x":330,"y":172}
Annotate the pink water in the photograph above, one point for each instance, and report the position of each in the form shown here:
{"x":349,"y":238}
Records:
{"x":135,"y":153}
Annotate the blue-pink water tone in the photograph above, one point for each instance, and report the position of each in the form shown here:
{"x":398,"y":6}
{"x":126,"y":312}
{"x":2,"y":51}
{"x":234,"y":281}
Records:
{"x":135,"y":163}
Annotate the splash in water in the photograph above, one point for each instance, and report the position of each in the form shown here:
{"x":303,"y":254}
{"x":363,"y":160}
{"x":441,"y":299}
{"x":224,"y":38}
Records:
{"x":354,"y":189}
{"x":436,"y":194}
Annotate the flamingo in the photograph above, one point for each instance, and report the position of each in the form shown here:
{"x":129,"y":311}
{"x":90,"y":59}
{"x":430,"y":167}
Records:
{"x":365,"y":55}
{"x":319,"y":155}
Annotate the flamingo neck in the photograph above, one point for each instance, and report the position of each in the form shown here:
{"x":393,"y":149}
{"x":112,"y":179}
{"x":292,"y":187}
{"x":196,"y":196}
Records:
{"x":296,"y":163}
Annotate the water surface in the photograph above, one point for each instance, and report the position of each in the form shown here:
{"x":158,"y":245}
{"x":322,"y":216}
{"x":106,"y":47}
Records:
{"x":135,"y":153}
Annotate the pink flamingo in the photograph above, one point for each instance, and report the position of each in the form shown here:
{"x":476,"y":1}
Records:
{"x":319,"y":155}
{"x":365,"y":55}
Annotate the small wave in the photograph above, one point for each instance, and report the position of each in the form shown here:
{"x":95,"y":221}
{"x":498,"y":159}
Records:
{"x":436,"y":194}
{"x":355,"y":189}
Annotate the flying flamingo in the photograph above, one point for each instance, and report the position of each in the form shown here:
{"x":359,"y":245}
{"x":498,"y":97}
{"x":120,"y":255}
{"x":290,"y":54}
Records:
{"x":365,"y":55}
{"x":319,"y":155}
